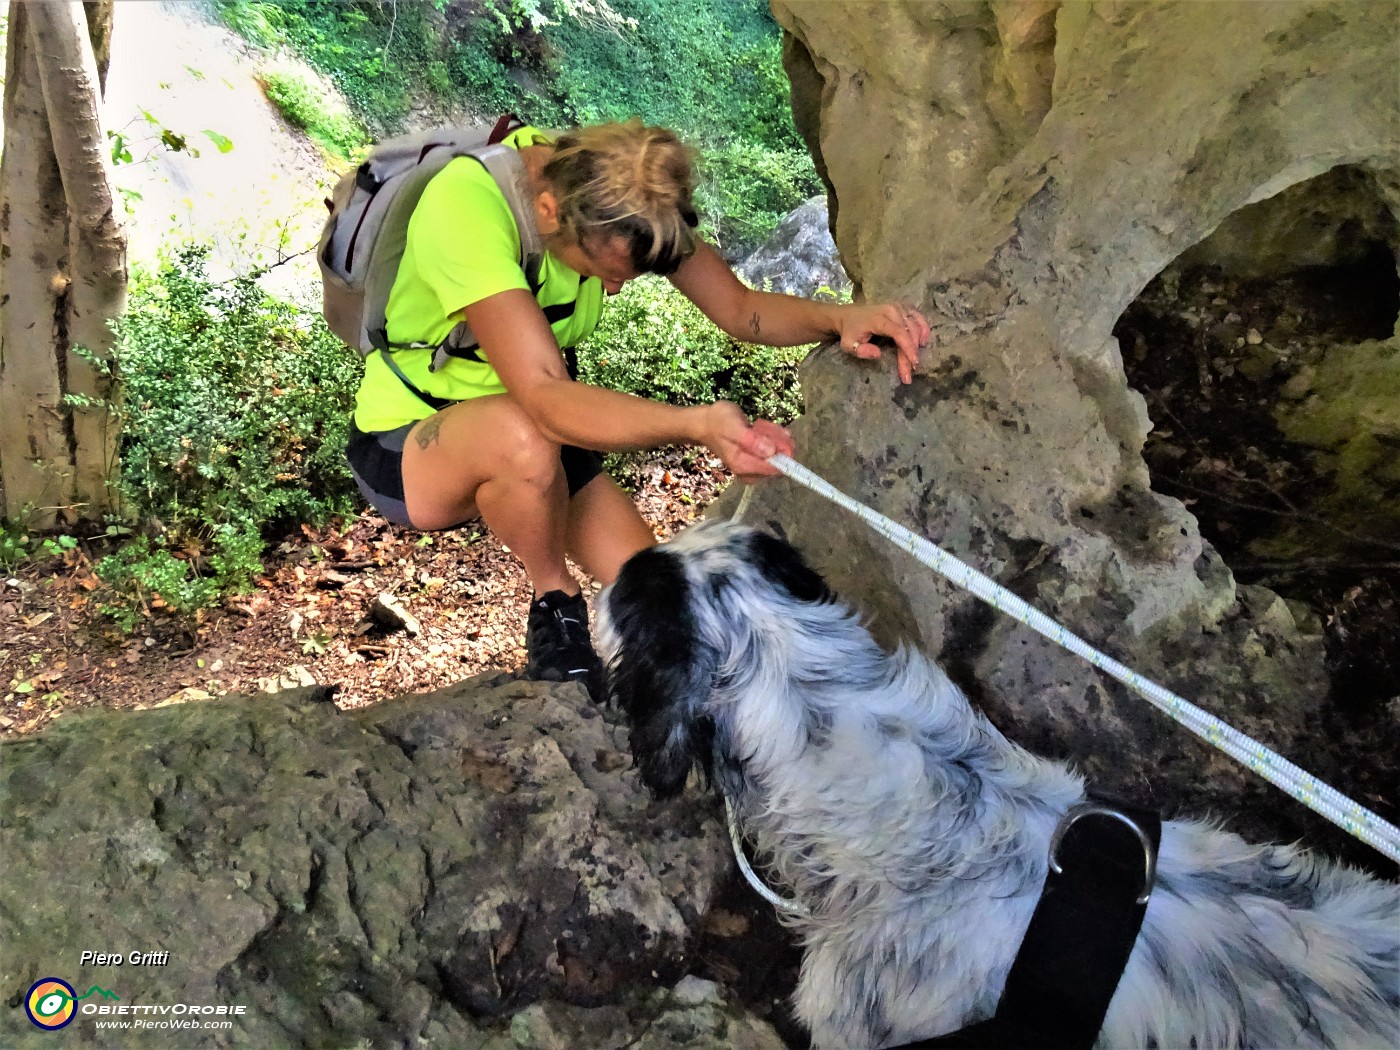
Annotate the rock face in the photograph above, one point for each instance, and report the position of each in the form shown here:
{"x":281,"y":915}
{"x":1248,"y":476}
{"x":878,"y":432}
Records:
{"x":472,"y":867}
{"x":1326,"y":221}
{"x":800,"y":257}
{"x":1034,"y":165}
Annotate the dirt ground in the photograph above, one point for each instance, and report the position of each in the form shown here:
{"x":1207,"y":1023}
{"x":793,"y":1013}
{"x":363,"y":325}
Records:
{"x":1213,"y":355}
{"x":365,"y":606}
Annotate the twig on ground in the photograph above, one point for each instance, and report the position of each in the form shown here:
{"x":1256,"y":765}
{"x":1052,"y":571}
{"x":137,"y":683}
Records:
{"x":1294,"y":515}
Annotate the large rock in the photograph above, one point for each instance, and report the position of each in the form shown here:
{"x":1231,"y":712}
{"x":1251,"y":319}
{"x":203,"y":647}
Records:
{"x":423,"y":872}
{"x":1022,"y":169}
{"x":800,"y":257}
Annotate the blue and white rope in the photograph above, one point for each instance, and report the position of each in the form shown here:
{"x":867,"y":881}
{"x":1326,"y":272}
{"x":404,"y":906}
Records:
{"x":1276,"y":769}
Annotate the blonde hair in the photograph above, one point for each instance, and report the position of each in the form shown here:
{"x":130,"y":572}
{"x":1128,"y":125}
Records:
{"x":625,"y":179}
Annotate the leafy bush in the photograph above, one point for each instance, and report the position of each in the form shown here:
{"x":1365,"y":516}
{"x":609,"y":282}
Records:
{"x":259,"y":23}
{"x":653,"y":342}
{"x":745,"y":190}
{"x":145,"y":572}
{"x":16,"y":545}
{"x":305,"y":107}
{"x":710,"y":70}
{"x":234,"y":424}
{"x":713,"y":72}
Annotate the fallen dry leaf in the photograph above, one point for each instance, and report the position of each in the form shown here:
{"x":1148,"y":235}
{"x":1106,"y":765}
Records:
{"x":183,"y":696}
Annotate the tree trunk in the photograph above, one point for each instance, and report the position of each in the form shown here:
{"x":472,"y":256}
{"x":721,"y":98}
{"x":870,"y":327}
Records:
{"x":62,"y":271}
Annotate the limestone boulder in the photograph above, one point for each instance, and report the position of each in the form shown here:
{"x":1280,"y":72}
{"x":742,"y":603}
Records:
{"x":461,"y":868}
{"x":800,"y":257}
{"x":1022,"y":170}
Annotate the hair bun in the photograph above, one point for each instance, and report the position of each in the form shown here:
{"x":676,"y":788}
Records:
{"x":629,"y":180}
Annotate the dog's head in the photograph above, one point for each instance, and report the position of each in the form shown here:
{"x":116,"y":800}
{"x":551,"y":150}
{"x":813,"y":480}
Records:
{"x":688,"y":622}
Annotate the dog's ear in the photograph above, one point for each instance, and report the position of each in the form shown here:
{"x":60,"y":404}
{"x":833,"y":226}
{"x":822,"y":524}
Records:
{"x":660,"y":673}
{"x":783,"y":567}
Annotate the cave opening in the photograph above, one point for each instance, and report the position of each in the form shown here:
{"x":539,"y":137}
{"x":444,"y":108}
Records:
{"x":1269,"y":362}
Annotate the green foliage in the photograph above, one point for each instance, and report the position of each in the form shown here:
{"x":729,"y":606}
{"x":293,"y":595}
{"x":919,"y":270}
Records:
{"x":745,"y":190}
{"x":653,"y":342}
{"x":713,"y":72}
{"x":305,"y":107}
{"x":378,"y":54}
{"x":258,"y":23}
{"x":145,"y":571}
{"x":234,"y":424}
{"x":14,"y":547}
{"x":17,"y":545}
{"x":56,"y":546}
{"x":710,"y":69}
{"x":148,"y":133}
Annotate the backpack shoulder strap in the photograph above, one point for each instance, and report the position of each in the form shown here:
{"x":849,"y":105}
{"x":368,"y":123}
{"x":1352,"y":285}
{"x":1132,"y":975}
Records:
{"x":508,"y":169}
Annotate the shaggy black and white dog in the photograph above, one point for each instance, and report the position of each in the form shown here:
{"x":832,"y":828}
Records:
{"x":917,"y":836}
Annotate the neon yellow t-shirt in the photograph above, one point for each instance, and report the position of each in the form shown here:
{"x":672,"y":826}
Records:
{"x":462,"y":246}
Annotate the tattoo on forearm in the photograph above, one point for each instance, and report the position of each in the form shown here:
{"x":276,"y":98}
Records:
{"x":427,"y":431}
{"x":755,"y":326}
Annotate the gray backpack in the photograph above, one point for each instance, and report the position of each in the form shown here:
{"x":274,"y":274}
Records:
{"x":363,"y":240}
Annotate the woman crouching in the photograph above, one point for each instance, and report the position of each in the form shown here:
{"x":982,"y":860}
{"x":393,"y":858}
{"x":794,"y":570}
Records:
{"x":504,"y":432}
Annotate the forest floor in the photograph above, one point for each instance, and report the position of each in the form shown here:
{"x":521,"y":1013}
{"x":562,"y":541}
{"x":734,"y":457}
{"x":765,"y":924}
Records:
{"x":367,"y":607}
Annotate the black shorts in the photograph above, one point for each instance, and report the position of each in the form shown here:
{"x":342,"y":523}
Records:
{"x":376,"y":460}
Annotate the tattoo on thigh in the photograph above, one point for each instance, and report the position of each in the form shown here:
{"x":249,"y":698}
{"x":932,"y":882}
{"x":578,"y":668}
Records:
{"x":755,"y":326}
{"x":427,"y":431}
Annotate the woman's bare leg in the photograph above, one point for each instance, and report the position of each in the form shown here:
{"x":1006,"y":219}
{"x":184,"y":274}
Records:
{"x":485,"y":456}
{"x":605,"y":529}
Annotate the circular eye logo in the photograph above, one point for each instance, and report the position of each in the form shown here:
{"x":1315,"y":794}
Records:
{"x":50,"y":1002}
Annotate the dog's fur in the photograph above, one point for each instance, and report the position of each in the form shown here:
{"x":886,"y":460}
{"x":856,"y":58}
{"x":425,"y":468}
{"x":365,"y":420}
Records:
{"x":917,"y":835}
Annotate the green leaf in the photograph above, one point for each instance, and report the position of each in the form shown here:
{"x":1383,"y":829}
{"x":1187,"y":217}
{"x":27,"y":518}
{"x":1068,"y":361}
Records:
{"x":120,"y":153}
{"x":316,"y":644}
{"x":225,"y":144}
{"x":173,"y":140}
{"x":25,"y":687}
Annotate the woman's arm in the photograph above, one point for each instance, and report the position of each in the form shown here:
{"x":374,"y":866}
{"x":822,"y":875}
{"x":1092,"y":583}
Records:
{"x":788,"y":320}
{"x":521,"y":347}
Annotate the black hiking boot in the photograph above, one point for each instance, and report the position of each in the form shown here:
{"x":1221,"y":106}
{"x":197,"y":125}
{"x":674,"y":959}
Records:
{"x":556,"y":637}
